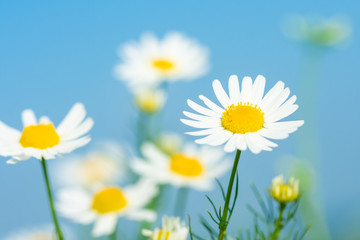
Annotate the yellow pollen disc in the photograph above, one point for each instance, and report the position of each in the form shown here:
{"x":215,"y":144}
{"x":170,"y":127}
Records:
{"x":40,"y":136}
{"x":109,"y":200}
{"x":163,"y":65}
{"x":243,"y":118}
{"x":163,"y":235}
{"x":185,"y":166}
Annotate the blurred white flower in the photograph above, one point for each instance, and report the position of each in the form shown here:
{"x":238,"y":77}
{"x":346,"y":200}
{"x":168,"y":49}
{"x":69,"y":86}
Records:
{"x":46,"y":232}
{"x":324,"y":32}
{"x":149,"y":100}
{"x":153,"y":61}
{"x":104,"y":166}
{"x":172,"y":229}
{"x":106,"y":205}
{"x":169,"y":143}
{"x":194,"y":167}
{"x":40,"y":139}
{"x":32,"y":234}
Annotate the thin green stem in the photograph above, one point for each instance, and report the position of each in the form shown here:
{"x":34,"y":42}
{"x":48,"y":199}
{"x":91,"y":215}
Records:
{"x":51,"y":202}
{"x":278,"y":223}
{"x":181,"y":200}
{"x":224,"y":221}
{"x":113,"y":235}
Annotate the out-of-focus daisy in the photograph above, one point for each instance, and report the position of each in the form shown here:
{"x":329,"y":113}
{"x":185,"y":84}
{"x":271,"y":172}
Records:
{"x":152,"y":61}
{"x":40,"y":139}
{"x":172,"y":229}
{"x":246,"y":118}
{"x":169,"y":143}
{"x":192,"y":167}
{"x":106,"y":205}
{"x":284,"y":192}
{"x":322,"y":32}
{"x":34,"y":234}
{"x":149,"y":100}
{"x":103,"y":166}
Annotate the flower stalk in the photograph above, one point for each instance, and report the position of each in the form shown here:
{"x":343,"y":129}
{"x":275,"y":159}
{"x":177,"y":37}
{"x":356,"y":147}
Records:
{"x":278,"y":222}
{"x":51,"y":202}
{"x":224,"y":218}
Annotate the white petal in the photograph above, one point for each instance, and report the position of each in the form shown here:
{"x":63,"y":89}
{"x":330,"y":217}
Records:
{"x":211,"y":105}
{"x":8,"y":133}
{"x":240,"y":142}
{"x":281,"y":113}
{"x":79,"y":131}
{"x":258,"y":89}
{"x":44,"y":120}
{"x":230,"y":146}
{"x":220,"y":93}
{"x":215,"y":139}
{"x":200,"y":109}
{"x":273,"y":134}
{"x":206,"y":131}
{"x":278,"y":101}
{"x":105,"y":225}
{"x":246,"y":90}
{"x":254,"y":145}
{"x":75,"y":116}
{"x":198,"y":117}
{"x":201,"y":124}
{"x":234,"y":89}
{"x":272,"y":94}
{"x":28,"y":118}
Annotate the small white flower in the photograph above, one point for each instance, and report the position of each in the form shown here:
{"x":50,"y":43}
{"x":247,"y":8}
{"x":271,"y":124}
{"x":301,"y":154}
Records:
{"x":192,"y":167}
{"x":106,"y":205}
{"x":246,"y":118}
{"x":152,"y":61}
{"x":105,"y":165}
{"x":40,"y":233}
{"x":172,"y":229}
{"x":40,"y":139}
{"x":149,"y":100}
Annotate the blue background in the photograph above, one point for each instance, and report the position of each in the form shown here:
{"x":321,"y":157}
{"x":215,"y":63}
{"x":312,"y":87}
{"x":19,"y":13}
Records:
{"x":53,"y":54}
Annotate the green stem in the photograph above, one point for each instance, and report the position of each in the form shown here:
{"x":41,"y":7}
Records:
{"x":224,"y":221}
{"x":113,"y":235}
{"x":52,"y":208}
{"x":181,"y":201}
{"x":278,"y":225}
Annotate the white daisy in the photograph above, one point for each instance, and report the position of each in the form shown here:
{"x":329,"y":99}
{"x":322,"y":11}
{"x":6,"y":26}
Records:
{"x":105,"y":165}
{"x":106,"y":205}
{"x":192,"y":167}
{"x":149,"y":100}
{"x":172,"y":229}
{"x":152,"y":61}
{"x":33,"y":234}
{"x":40,"y":139}
{"x":246,"y":118}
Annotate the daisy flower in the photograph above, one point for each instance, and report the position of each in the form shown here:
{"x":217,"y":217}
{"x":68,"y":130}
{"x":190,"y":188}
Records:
{"x":192,"y":167}
{"x":284,"y":192}
{"x":40,"y":139}
{"x":246,"y":118}
{"x":106,"y":205}
{"x":152,"y":61}
{"x":149,"y":100}
{"x":33,"y":234}
{"x":172,"y":229}
{"x":105,"y":165}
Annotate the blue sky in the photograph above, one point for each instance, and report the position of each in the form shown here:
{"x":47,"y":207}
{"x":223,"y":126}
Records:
{"x":53,"y":54}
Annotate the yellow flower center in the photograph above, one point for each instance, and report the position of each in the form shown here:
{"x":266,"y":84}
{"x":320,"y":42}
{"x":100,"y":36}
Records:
{"x":163,"y":65}
{"x":111,"y":199}
{"x":243,"y":118}
{"x":284,"y":193}
{"x":40,"y":136}
{"x":185,"y":166}
{"x":161,"y":237}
